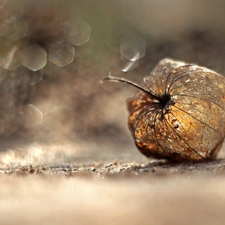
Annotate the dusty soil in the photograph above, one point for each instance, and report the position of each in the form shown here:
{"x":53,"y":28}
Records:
{"x":116,"y":169}
{"x":70,"y":184}
{"x":123,"y":193}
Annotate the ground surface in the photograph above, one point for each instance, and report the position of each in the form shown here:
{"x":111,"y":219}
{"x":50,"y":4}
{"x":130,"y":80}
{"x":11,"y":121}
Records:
{"x":116,"y":169}
{"x":156,"y":192}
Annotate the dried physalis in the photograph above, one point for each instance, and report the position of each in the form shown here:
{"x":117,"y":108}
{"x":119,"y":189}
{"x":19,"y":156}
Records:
{"x":179,"y":113}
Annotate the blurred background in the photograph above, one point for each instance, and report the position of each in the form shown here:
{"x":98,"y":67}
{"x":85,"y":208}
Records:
{"x":54,"y":53}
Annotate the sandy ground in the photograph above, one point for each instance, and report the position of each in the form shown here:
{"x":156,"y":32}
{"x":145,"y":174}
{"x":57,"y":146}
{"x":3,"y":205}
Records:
{"x":125,"y":194}
{"x":129,"y":190}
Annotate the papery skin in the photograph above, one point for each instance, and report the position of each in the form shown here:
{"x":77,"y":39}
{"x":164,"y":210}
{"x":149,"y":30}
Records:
{"x":188,"y":122}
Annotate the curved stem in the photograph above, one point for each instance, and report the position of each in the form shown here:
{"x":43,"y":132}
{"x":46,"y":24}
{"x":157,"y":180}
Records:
{"x":118,"y":79}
